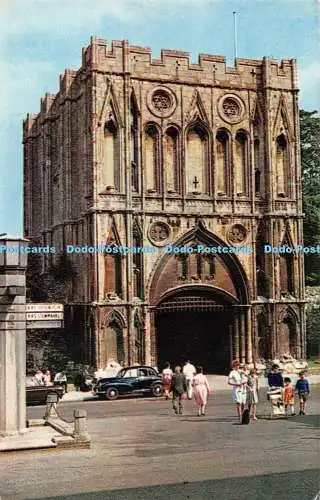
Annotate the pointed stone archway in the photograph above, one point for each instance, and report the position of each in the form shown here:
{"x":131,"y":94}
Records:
{"x":199,"y":307}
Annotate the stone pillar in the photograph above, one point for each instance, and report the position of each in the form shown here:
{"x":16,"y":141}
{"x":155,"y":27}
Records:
{"x":80,"y":432}
{"x":236,"y":335}
{"x":242,"y":336}
{"x":249,"y":336}
{"x":147,"y":339}
{"x":13,"y":263}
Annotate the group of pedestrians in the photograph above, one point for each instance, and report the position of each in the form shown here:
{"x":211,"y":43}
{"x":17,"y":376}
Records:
{"x":302,"y":388}
{"x":245,"y":387}
{"x":189,"y":381}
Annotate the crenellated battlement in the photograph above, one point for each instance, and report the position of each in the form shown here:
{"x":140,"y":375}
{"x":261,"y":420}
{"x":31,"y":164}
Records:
{"x":119,"y":58}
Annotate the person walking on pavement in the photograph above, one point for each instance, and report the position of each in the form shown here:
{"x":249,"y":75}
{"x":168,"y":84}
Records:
{"x":201,"y":390}
{"x":178,"y":388}
{"x":166,"y":379}
{"x":189,"y":372}
{"x":235,"y":380}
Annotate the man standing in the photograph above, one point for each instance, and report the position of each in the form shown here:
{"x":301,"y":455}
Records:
{"x":189,"y":372}
{"x":178,"y":388}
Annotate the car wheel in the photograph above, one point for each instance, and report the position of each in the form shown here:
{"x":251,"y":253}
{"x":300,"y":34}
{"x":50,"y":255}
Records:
{"x":157,"y":390}
{"x":112,"y":393}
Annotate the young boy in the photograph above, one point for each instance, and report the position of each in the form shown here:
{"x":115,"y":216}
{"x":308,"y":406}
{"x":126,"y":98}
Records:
{"x":302,"y":387}
{"x":288,"y":396}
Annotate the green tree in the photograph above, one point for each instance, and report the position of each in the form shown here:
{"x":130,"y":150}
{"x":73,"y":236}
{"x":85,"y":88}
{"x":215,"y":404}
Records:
{"x":310,"y":166}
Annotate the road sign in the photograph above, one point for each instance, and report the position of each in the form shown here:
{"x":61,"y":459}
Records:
{"x":44,"y":315}
{"x":33,"y":316}
{"x":44,"y":307}
{"x":44,"y":324}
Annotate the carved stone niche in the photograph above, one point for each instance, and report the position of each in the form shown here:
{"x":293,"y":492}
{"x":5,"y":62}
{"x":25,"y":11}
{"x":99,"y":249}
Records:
{"x":231,"y":108}
{"x":161,"y":101}
{"x":159,"y":233}
{"x":237,"y":234}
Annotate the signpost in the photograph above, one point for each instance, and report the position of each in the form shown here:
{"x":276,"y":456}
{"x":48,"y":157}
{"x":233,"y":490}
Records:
{"x":44,"y":315}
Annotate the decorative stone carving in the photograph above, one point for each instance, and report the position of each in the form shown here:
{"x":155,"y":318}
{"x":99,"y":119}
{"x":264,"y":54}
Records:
{"x":159,"y":233}
{"x":161,"y":102}
{"x":231,"y":108}
{"x":237,"y":234}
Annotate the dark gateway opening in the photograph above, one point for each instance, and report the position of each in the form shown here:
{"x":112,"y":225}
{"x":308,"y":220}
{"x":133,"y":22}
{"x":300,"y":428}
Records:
{"x":195,"y":328}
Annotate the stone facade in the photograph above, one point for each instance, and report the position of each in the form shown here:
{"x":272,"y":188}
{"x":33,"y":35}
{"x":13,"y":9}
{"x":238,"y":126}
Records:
{"x":139,"y":152}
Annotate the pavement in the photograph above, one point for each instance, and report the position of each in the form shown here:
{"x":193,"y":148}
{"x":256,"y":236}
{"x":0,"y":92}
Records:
{"x":33,"y":438}
{"x":141,"y":450}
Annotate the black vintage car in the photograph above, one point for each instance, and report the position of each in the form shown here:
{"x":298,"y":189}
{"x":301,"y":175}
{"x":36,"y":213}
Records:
{"x":132,"y":380}
{"x":36,"y":394}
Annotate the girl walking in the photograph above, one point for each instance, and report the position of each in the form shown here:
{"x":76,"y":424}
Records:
{"x":201,"y":390}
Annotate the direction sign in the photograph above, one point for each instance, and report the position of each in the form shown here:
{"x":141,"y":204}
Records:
{"x":44,"y":315}
{"x":44,"y":307}
{"x":44,"y":324}
{"x":32,"y":316}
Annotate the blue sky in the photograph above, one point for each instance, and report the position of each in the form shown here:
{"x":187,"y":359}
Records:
{"x":40,"y":38}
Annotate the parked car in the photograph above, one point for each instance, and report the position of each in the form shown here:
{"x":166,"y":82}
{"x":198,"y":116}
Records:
{"x":36,"y":394}
{"x":133,"y":380}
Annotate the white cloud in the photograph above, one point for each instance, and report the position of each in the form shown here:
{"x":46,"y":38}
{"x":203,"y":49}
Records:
{"x":37,"y":16}
{"x":309,"y":83}
{"x":309,"y":77}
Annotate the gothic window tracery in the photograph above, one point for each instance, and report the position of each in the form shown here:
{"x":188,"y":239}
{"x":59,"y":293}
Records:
{"x":113,"y":273}
{"x":134,"y":145}
{"x":152,"y":152}
{"x":257,"y":167}
{"x":111,"y":156}
{"x":171,"y":162}
{"x":222,"y":162}
{"x":282,"y":169}
{"x":241,"y":163}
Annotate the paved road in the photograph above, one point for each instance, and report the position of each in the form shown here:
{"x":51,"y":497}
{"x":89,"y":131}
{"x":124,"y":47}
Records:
{"x":140,"y":450}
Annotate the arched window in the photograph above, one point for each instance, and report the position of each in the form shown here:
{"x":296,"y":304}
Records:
{"x":197,"y":160}
{"x":171,"y":164}
{"x":222,"y":163}
{"x":282,"y":165}
{"x":151,"y":145}
{"x":241,"y":163}
{"x":257,"y":167}
{"x":286,"y":274}
{"x":111,"y":156}
{"x":134,"y":145}
{"x":112,"y":345}
{"x":113,"y":273}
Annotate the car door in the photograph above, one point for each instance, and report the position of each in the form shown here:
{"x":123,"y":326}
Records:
{"x":126,"y":384}
{"x":143,"y":381}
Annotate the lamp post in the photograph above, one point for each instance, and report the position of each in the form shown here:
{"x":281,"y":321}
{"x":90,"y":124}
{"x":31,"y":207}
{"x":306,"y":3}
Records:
{"x":13,"y":263}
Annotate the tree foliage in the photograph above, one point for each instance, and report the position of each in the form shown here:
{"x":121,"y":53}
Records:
{"x":310,"y":166}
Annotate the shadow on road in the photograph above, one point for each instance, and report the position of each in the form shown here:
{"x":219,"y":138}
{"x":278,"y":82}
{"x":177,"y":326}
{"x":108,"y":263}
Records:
{"x":294,"y":485}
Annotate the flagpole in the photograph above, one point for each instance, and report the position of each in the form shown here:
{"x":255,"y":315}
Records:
{"x":235,"y":36}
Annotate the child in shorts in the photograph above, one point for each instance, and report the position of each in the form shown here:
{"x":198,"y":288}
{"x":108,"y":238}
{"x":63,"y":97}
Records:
{"x":302,"y":387}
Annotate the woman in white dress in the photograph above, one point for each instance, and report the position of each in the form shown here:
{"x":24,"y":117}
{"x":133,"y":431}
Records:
{"x":235,"y":379}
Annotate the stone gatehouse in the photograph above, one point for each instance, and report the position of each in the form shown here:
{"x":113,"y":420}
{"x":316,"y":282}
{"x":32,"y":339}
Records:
{"x":138,"y":152}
